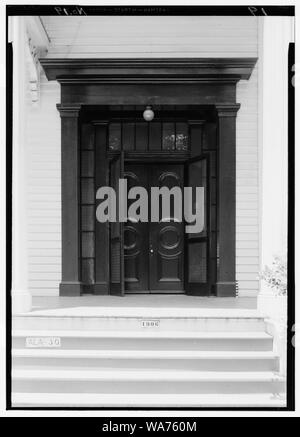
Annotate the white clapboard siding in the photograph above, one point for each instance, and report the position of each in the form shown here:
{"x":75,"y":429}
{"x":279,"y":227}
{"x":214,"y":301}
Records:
{"x":124,"y":36}
{"x":44,"y":193}
{"x":138,"y":37}
{"x":247,"y":192}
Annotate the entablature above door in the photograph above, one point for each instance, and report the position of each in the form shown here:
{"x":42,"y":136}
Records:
{"x":148,"y":70}
{"x":148,"y":81}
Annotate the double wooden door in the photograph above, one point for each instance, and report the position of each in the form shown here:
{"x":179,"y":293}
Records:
{"x":161,"y":256}
{"x":154,"y":250}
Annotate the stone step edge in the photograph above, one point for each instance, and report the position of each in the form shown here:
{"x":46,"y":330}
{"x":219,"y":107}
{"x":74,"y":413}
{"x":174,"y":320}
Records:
{"x":146,"y":354}
{"x":142,"y":312}
{"x":257,"y":400}
{"x":145,"y":375}
{"x":142,"y":334}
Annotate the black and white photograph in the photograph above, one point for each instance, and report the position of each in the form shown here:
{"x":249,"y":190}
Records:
{"x":150,"y":208}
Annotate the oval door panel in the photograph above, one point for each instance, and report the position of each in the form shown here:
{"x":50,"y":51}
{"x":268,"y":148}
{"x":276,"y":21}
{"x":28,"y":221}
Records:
{"x":131,"y":238}
{"x":169,"y":237}
{"x":169,"y":179}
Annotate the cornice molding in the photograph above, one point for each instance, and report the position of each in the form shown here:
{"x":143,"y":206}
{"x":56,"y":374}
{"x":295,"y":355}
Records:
{"x":227,"y":110}
{"x":69,"y":111}
{"x":157,"y":70}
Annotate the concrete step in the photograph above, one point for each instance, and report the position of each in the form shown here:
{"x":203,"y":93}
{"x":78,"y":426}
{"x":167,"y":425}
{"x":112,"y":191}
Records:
{"x":63,"y":359}
{"x":140,"y":319}
{"x":144,"y":381}
{"x":93,"y":400}
{"x":150,"y":340}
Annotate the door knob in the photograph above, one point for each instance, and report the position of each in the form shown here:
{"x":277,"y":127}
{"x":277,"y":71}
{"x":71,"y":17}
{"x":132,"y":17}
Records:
{"x":151,"y":251}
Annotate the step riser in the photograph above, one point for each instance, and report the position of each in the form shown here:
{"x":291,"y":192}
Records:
{"x":219,"y":344}
{"x":165,"y":405}
{"x":135,"y":324}
{"x":146,"y":387}
{"x":162,"y":364}
{"x":155,"y":400}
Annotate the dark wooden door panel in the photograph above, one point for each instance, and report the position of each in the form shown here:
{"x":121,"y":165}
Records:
{"x":117,"y":232}
{"x":167,"y":235}
{"x":197,"y":281}
{"x":166,"y":260}
{"x":136,"y":247}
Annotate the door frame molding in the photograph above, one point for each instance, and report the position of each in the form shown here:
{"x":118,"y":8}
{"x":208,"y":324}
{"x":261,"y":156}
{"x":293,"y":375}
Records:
{"x":90,"y":82}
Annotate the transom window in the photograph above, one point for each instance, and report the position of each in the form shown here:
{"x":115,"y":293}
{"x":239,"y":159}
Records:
{"x":156,"y":136}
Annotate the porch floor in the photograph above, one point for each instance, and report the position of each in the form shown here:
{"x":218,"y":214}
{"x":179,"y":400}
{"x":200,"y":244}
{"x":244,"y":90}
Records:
{"x":144,"y":305}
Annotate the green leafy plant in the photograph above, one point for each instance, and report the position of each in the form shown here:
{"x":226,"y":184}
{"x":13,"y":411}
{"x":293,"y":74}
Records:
{"x":276,"y":276}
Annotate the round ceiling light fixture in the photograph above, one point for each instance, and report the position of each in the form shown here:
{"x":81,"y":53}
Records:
{"x":148,"y":114}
